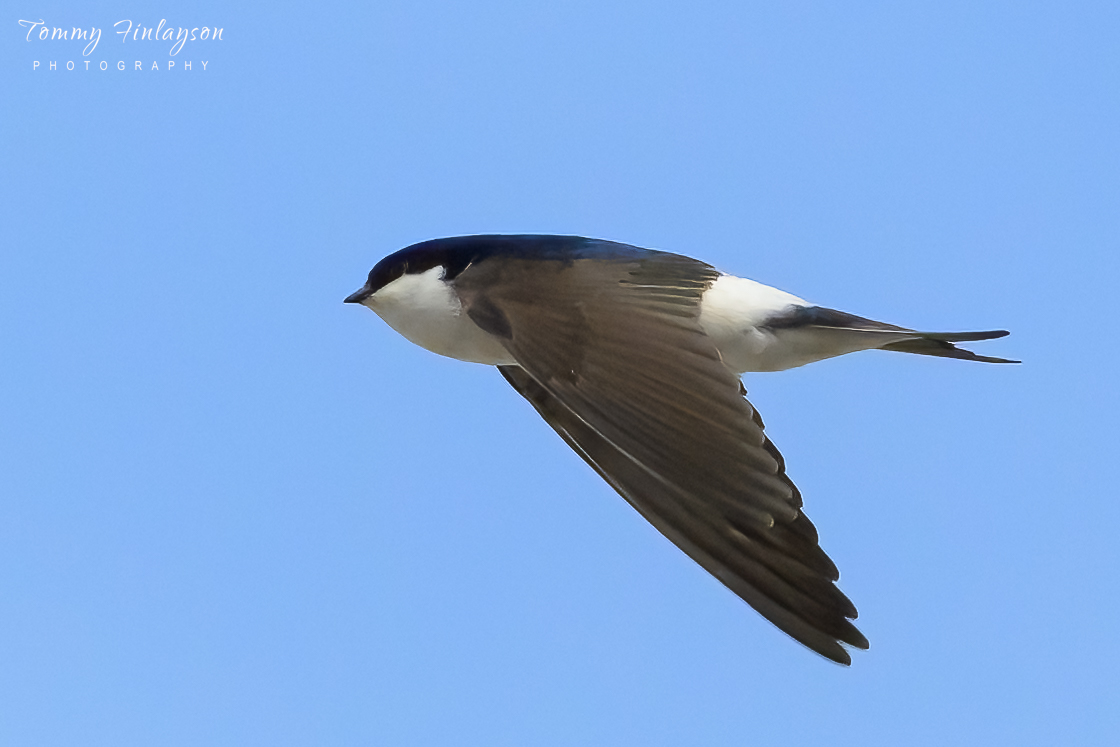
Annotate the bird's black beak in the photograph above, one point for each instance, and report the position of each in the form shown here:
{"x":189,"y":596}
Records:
{"x":358,"y":296}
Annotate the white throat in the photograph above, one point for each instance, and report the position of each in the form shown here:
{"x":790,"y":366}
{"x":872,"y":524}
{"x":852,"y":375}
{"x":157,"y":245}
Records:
{"x":426,"y":311}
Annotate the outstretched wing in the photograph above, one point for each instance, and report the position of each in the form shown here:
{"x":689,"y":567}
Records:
{"x":611,"y":354}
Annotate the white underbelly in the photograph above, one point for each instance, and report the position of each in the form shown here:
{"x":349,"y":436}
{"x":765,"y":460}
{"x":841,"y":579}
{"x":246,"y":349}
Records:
{"x":777,"y":350}
{"x":455,"y":337}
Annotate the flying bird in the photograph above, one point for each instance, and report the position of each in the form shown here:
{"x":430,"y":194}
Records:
{"x":634,"y":357}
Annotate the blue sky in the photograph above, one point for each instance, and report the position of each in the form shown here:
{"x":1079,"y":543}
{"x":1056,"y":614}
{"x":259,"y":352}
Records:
{"x":235,"y":511}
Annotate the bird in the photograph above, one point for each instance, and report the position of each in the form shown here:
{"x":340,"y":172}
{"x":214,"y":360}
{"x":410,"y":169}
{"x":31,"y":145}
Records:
{"x":634,"y":357}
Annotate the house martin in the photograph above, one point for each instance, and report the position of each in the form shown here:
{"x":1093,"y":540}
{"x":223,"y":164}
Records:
{"x":634,"y":356}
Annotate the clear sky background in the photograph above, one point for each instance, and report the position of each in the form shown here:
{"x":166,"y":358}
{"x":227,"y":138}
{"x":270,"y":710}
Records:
{"x":235,"y":511}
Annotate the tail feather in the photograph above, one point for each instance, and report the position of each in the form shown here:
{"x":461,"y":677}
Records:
{"x":965,"y":336}
{"x":936,"y":344}
{"x":939,"y":344}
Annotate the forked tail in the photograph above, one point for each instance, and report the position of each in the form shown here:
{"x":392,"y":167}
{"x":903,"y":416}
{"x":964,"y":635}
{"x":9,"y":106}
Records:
{"x":941,"y":345}
{"x":921,"y":343}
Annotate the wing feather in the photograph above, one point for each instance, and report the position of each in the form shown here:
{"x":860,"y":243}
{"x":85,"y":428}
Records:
{"x":612,"y":355}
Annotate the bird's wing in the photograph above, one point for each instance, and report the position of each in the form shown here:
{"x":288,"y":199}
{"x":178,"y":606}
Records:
{"x":612,"y":355}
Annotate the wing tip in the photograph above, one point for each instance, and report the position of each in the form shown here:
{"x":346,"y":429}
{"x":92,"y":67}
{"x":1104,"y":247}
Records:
{"x":839,"y":652}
